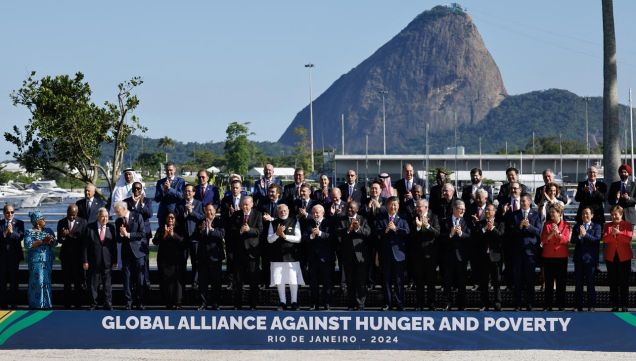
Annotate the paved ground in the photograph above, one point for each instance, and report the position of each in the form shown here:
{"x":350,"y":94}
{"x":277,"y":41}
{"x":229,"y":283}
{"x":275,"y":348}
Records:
{"x":177,"y":355}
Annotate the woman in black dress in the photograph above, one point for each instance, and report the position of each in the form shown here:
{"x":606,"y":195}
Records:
{"x":169,"y":261}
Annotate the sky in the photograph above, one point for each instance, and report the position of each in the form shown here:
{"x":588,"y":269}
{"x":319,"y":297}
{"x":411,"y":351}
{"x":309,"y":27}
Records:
{"x":208,"y":63}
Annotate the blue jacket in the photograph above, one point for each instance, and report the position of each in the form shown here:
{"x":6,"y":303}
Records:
{"x":525,"y":240}
{"x":168,"y":199}
{"x":586,"y":248}
{"x":136,"y":241}
{"x":393,"y":244}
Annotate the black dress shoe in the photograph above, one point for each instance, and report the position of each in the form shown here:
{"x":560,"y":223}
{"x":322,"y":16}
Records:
{"x":614,"y":309}
{"x":313,"y":308}
{"x":202,"y":308}
{"x":141,"y":307}
{"x":327,"y":307}
{"x":128,"y":307}
{"x":214,"y":307}
{"x":281,"y":307}
{"x":447,"y":307}
{"x":400,"y":308}
{"x":386,"y":308}
{"x":624,"y":309}
{"x":591,"y":309}
{"x":177,"y":307}
{"x":497,"y":306}
{"x":294,"y":306}
{"x":93,"y":307}
{"x":107,"y":308}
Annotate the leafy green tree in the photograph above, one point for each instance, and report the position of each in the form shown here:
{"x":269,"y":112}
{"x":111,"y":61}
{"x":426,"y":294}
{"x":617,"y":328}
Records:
{"x":302,"y":148}
{"x":149,"y":161}
{"x":66,"y":129}
{"x":237,"y":147}
{"x":166,"y":143}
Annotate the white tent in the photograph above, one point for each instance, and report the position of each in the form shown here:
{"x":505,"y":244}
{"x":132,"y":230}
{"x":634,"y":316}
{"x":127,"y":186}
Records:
{"x":282,"y":173}
{"x":213,"y":170}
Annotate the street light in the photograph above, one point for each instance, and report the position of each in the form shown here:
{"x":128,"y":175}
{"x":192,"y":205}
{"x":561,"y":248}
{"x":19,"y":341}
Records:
{"x":383,"y":93}
{"x":311,"y":116}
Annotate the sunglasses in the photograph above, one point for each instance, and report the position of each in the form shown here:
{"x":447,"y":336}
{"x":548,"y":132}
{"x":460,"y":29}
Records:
{"x":9,"y":212}
{"x":136,"y":189}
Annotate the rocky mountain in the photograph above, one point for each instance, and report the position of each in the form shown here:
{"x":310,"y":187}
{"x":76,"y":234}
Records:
{"x":437,"y":70}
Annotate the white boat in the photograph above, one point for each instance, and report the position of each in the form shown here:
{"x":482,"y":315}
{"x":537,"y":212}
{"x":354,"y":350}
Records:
{"x":47,"y":191}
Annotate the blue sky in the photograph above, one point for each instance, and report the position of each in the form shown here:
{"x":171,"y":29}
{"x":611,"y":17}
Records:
{"x":208,"y":63}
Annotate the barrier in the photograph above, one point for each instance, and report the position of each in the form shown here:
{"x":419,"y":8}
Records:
{"x":318,"y":330}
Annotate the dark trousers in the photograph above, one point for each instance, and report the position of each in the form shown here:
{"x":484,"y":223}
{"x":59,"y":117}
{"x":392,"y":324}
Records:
{"x":134,"y":271}
{"x":584,"y":275}
{"x":209,"y":276}
{"x":97,"y":277}
{"x":524,"y":275}
{"x":172,"y":282}
{"x":74,"y":281}
{"x":425,"y":279}
{"x":393,"y":281}
{"x":488,"y":272}
{"x":555,"y":270}
{"x":246,"y":271}
{"x":320,"y":272}
{"x":356,"y":277}
{"x":8,"y":274}
{"x":618,"y":277}
{"x":455,"y":275}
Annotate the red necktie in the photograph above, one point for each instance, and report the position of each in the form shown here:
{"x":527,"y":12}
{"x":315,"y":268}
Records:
{"x":202,"y":192}
{"x":245,"y":219}
{"x":126,"y":223}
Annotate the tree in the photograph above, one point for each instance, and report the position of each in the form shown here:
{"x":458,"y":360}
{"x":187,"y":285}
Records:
{"x":611,"y":138}
{"x":303,"y":154}
{"x":66,"y":129}
{"x":237,"y":147}
{"x":149,"y":161}
{"x":204,"y":158}
{"x":166,"y":143}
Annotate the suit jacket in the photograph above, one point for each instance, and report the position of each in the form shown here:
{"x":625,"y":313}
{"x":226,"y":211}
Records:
{"x":354,"y":246}
{"x":260,"y":188}
{"x":100,"y":255}
{"x":456,"y":247}
{"x":393,"y":244}
{"x":210,"y":195}
{"x":189,"y":222}
{"x":425,"y":240}
{"x":227,"y":204}
{"x":443,"y":209}
{"x":594,"y":200}
{"x":620,"y":244}
{"x":555,"y":246}
{"x":341,"y":206}
{"x":136,"y":241}
{"x":489,"y":242}
{"x":319,"y":197}
{"x":504,"y":192}
{"x":400,"y":187}
{"x":525,"y":241}
{"x":290,"y":193}
{"x":298,"y":204}
{"x":586,"y":248}
{"x":89,"y":214}
{"x":168,"y":199}
{"x":372,"y":214}
{"x":467,"y":193}
{"x":247,"y":244}
{"x":211,"y":245}
{"x":11,"y":245}
{"x":435,"y":197}
{"x":321,"y":248}
{"x":145,"y":211}
{"x":629,"y":212}
{"x":73,"y":244}
{"x":359,"y":192}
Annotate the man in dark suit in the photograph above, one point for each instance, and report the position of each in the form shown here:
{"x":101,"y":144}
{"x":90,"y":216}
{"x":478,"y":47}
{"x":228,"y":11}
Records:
{"x":435,"y":194}
{"x":262,"y":185}
{"x":351,"y":190}
{"x":548,"y":177}
{"x":455,"y":242}
{"x":488,"y":236}
{"x":139,"y":203}
{"x":70,"y":231}
{"x":134,"y":247}
{"x":425,"y":232}
{"x":247,"y":226}
{"x":444,"y":207}
{"x":353,"y":237}
{"x":11,"y":235}
{"x":372,"y":209}
{"x":204,"y":192}
{"x":405,"y":185}
{"x":189,"y":213}
{"x":87,"y":207}
{"x":468,"y":192}
{"x":168,"y":192}
{"x":394,"y":232}
{"x":512,"y":174}
{"x":524,"y":228}
{"x":592,"y":193}
{"x":210,"y":255}
{"x":231,"y":204}
{"x":318,"y":234}
{"x":623,"y":193}
{"x":586,"y":237}
{"x":291,"y":191}
{"x":302,"y":205}
{"x":269,"y":209}
{"x":100,"y":256}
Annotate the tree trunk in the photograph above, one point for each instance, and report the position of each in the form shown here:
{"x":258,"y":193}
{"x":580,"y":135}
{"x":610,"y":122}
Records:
{"x":611,"y":138}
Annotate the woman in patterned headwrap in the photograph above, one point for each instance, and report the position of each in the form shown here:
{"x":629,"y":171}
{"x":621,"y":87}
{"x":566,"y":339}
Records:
{"x":39,"y":242}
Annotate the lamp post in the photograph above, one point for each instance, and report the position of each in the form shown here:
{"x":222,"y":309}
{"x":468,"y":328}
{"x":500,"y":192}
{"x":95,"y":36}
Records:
{"x":383,"y":93}
{"x":311,"y":116}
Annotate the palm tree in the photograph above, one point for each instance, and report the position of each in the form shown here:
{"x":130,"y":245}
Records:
{"x":166,"y":143}
{"x":611,"y":139}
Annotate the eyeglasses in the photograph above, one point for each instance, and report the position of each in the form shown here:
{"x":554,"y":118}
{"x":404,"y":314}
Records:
{"x":515,"y":188}
{"x":136,"y":189}
{"x":9,"y":212}
{"x":202,"y":176}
